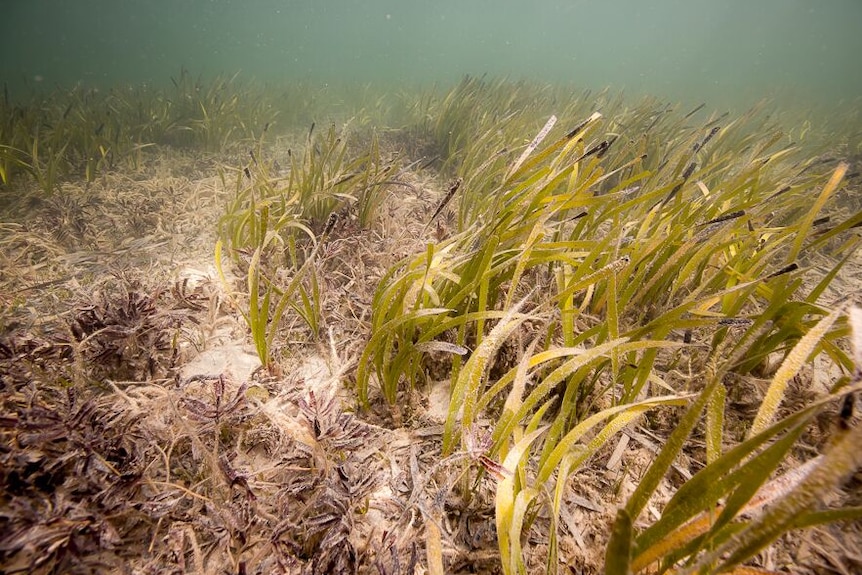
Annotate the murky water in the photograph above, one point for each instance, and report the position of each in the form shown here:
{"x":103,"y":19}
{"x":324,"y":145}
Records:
{"x":732,"y":53}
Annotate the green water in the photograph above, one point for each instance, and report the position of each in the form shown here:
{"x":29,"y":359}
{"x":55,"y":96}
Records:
{"x":728,"y":53}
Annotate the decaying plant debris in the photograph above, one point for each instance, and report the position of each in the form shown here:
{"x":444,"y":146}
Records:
{"x":139,"y":437}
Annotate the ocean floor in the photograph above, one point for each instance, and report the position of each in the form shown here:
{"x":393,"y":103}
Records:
{"x":140,"y":434}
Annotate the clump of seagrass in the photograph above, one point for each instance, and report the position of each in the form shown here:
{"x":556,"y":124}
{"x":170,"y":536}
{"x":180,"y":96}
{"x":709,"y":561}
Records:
{"x":320,"y":507}
{"x":69,"y":477}
{"x":126,"y":332}
{"x":69,"y":219}
{"x":120,"y":331}
{"x":26,"y":356}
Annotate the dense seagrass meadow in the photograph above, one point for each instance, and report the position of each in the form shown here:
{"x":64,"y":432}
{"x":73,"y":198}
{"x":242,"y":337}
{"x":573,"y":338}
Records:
{"x":493,"y":327}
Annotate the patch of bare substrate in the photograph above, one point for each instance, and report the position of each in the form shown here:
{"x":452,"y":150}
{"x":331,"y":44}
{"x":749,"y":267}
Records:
{"x":140,"y":436}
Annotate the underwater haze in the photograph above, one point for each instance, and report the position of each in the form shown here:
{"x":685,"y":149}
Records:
{"x":727,"y":53}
